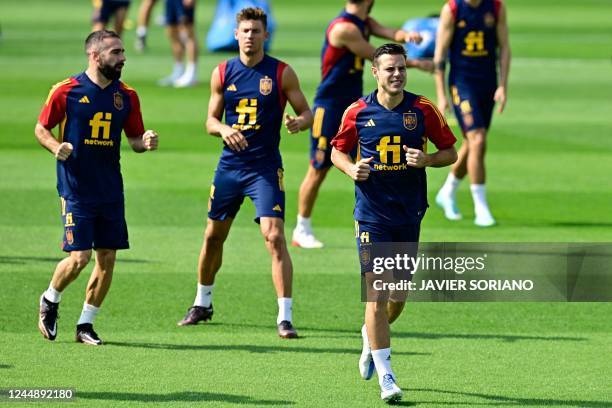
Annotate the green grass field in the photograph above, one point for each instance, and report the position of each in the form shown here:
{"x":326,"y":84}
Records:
{"x":548,"y":170}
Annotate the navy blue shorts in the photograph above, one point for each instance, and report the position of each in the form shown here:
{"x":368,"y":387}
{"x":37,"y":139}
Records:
{"x":368,"y":233}
{"x":263,"y":186}
{"x":327,"y":119}
{"x":88,"y":226}
{"x":105,"y":9}
{"x":473,"y":106}
{"x":177,"y":13}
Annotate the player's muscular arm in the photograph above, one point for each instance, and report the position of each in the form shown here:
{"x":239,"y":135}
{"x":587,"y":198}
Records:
{"x":348,"y":35}
{"x":61,"y":151}
{"x":358,"y":171}
{"x":393,"y":34}
{"x":504,"y":58}
{"x":291,"y":89}
{"x":147,"y":141}
{"x":232,"y":137}
{"x":444,"y":37}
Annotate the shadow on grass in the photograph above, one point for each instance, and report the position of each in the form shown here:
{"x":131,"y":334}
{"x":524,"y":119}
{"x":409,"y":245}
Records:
{"x":499,"y":400}
{"x":184,"y":396}
{"x":21,"y":260}
{"x":6,"y":366}
{"x":428,"y":336}
{"x":250,"y":348}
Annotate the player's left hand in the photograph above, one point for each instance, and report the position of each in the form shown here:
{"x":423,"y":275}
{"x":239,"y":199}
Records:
{"x":500,"y":98}
{"x":415,"y":157}
{"x":149,"y":140}
{"x":413,"y":37}
{"x":292,"y":124}
{"x":188,"y":3}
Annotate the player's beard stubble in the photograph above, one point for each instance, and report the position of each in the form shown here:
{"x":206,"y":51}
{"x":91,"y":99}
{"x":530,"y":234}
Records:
{"x":110,"y":71}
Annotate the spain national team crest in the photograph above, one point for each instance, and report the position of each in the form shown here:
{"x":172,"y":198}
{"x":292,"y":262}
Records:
{"x":118,"y":100}
{"x":489,"y":20}
{"x":410,"y":120}
{"x":364,"y":256}
{"x":265,"y":86}
{"x":69,"y":236}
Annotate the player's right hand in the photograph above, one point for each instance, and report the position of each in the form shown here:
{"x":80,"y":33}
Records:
{"x":360,"y":171}
{"x":63,"y":151}
{"x":442,"y":104}
{"x":234,"y":140}
{"x":413,"y":37}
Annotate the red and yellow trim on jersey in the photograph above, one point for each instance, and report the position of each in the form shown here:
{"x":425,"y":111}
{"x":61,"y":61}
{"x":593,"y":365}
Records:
{"x":426,"y":101}
{"x":56,"y":87}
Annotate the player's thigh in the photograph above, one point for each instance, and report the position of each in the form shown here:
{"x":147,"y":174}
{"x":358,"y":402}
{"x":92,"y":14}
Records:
{"x":265,"y":187}
{"x":186,"y":15}
{"x":226,"y":194}
{"x":173,"y":12}
{"x":327,"y":119}
{"x":110,"y":227}
{"x":367,"y":235}
{"x":467,"y":107}
{"x":79,"y":223}
{"x":486,"y":104}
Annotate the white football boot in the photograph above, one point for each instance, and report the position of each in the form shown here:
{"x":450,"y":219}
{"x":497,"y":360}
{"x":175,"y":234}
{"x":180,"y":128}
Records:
{"x":448,"y":203}
{"x":389,"y":391}
{"x":305,"y":239}
{"x":366,"y":362}
{"x":484,"y":218}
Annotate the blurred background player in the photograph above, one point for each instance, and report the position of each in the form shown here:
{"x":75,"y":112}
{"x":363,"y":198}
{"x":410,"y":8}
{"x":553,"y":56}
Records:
{"x":252,"y":90}
{"x":104,"y":10}
{"x":180,"y":28}
{"x":390,"y":188}
{"x":470,"y":32}
{"x":142,"y":24}
{"x":91,"y":109}
{"x":344,"y":50}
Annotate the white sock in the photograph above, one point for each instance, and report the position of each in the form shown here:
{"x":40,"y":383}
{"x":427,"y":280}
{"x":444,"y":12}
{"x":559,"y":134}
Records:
{"x":141,"y":31}
{"x":284,"y":310}
{"x":203,"y":295}
{"x":451,"y":184}
{"x":53,"y":295}
{"x":366,"y":342}
{"x":479,"y":195}
{"x":382,"y":362}
{"x":304,"y":223}
{"x":178,"y":69}
{"x":89,"y":313}
{"x":190,"y":71}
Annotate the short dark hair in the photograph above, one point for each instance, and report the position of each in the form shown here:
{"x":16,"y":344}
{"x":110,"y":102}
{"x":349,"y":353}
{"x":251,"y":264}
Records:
{"x":355,"y":1}
{"x":252,"y":13}
{"x":390,"y":49}
{"x":95,"y":39}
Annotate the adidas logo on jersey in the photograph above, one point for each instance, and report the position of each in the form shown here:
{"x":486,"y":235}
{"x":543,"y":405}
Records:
{"x":277,"y":208}
{"x":84,"y":99}
{"x":370,"y":123}
{"x":232,"y":88}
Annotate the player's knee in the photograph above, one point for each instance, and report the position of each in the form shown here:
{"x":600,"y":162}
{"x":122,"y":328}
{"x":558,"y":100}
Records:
{"x":379,"y":308}
{"x":317,"y":175}
{"x":213,"y":238}
{"x":275,"y":238}
{"x":477,"y":141}
{"x":106,"y":258}
{"x":79,"y":259}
